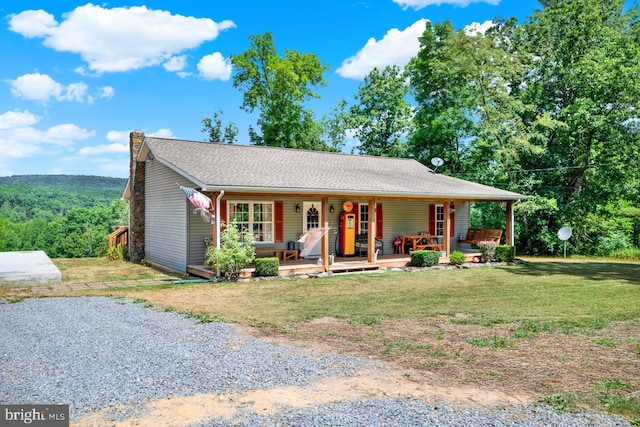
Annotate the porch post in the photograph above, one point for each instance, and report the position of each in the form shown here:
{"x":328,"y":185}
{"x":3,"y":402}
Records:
{"x":510,"y":238}
{"x":371,"y":227}
{"x":446,"y":241}
{"x":214,"y":226}
{"x":324,"y":250}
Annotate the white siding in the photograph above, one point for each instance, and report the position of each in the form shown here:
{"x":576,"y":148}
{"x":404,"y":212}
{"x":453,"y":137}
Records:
{"x":165,"y":217}
{"x":463,"y":219}
{"x":198,"y":231}
{"x":403,"y":217}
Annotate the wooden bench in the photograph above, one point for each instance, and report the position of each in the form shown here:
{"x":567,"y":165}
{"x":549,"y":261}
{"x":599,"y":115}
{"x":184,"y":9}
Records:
{"x":428,"y":242}
{"x":362,"y":244}
{"x":475,"y":235}
{"x":283,"y":254}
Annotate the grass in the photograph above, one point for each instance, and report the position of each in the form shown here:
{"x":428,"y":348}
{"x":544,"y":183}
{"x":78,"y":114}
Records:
{"x":98,"y":270}
{"x":542,"y":296}
{"x":561,"y":315}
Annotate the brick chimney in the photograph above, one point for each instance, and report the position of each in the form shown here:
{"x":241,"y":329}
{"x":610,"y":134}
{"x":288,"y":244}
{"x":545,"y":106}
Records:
{"x":136,"y":204}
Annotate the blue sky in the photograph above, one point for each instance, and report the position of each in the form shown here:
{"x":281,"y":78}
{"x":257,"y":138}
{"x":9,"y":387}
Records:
{"x":77,"y":77}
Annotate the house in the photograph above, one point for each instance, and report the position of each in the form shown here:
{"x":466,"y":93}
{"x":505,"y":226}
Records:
{"x":281,"y":193}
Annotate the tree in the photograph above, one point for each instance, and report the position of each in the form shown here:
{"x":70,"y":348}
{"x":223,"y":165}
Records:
{"x":278,"y":86}
{"x":467,"y":114}
{"x":548,"y":108}
{"x":336,"y":125}
{"x":212,"y":127}
{"x":381,"y":116}
{"x":584,"y":63}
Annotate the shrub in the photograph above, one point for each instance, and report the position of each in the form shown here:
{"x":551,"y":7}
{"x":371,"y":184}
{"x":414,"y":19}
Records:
{"x":615,"y":241}
{"x":630,"y":254}
{"x":488,"y":250}
{"x":457,"y":258}
{"x":425,"y":258}
{"x":117,"y":253}
{"x":237,"y":250}
{"x":505,"y":253}
{"x":268,"y":266}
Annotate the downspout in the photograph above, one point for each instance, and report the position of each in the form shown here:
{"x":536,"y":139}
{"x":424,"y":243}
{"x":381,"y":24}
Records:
{"x":218,"y":224}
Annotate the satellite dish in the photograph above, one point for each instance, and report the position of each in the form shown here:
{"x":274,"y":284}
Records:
{"x":437,"y":162}
{"x":564,"y":233}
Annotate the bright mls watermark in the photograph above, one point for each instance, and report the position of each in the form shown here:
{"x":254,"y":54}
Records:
{"x":36,"y":415}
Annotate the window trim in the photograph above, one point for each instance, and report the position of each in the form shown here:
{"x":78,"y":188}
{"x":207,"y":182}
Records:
{"x":361,"y":208}
{"x":230,"y":211}
{"x":439,"y":221}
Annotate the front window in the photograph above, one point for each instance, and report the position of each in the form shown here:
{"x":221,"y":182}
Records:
{"x":364,"y":218}
{"x":254,"y":216}
{"x":439,"y":220}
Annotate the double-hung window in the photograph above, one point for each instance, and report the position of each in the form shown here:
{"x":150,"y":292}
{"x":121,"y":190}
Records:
{"x":439,"y":220}
{"x":363,"y":221}
{"x":254,"y":216}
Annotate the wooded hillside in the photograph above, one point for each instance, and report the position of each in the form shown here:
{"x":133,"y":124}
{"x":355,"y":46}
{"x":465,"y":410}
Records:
{"x":63,"y":215}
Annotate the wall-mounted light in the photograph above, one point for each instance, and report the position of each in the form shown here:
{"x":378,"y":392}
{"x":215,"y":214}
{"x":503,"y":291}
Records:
{"x":331,"y":209}
{"x":297,"y":208}
{"x":452,"y":209}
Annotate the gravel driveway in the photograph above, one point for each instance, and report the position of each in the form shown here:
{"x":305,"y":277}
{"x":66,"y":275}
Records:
{"x":116,"y":362}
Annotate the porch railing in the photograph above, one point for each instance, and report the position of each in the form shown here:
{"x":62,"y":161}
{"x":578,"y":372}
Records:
{"x":120,"y":237}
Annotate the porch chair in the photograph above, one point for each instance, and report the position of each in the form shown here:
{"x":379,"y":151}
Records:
{"x":362,"y":244}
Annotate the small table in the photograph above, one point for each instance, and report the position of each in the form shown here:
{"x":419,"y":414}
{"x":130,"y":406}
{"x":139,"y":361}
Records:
{"x":416,"y":242}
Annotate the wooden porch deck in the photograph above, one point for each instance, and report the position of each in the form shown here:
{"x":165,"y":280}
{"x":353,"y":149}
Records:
{"x":340,"y":265}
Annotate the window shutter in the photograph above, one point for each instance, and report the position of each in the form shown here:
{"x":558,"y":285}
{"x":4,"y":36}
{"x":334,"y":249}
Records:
{"x":379,"y":220}
{"x":432,"y":220}
{"x":452,"y":223}
{"x":223,"y":213}
{"x":278,"y":214}
{"x":356,"y":211}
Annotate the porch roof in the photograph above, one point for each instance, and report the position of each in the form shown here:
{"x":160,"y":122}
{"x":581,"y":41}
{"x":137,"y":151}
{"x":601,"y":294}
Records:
{"x":258,"y":169}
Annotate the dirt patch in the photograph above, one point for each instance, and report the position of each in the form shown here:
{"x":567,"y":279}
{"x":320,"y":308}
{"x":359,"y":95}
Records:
{"x":367,"y":384}
{"x":438,"y":360}
{"x":499,"y":360}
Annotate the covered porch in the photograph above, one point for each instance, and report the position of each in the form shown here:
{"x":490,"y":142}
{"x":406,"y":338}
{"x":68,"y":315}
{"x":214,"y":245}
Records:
{"x":349,"y":264}
{"x":404,"y":217}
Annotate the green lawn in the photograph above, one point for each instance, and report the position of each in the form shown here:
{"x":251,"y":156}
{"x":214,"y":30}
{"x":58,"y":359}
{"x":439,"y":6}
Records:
{"x":562,"y":292}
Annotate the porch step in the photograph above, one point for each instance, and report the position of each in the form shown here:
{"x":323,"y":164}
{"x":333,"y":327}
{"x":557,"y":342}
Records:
{"x":348,"y":267}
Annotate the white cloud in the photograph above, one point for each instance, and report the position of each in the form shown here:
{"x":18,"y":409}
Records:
{"x":175,"y":63}
{"x":476,"y":28}
{"x":396,"y":48}
{"x":65,"y":134}
{"x":75,"y":92}
{"x":103,"y":37}
{"x":36,"y":87}
{"x":19,"y":138}
{"x":115,"y":148}
{"x":160,"y":133}
{"x":33,"y":23}
{"x":122,"y":136}
{"x":419,"y":4}
{"x":106,"y":92}
{"x":17,"y":119}
{"x":42,"y":88}
{"x":118,"y":136}
{"x":215,"y":66}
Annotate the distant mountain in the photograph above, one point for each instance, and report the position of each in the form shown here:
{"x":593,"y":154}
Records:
{"x":25,"y":197}
{"x":66,"y":182}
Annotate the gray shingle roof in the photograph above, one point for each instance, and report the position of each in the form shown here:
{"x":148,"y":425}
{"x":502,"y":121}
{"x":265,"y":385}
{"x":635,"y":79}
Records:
{"x":233,"y":167}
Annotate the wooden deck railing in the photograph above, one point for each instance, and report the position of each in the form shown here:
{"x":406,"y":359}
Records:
{"x":120,"y":237}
